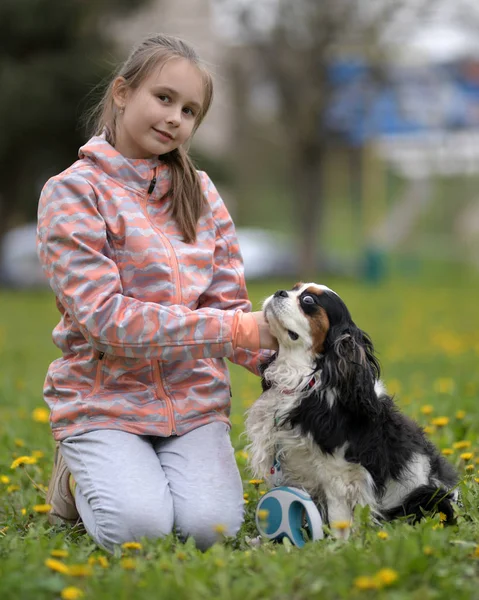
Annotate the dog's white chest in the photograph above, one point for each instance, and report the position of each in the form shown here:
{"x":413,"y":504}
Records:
{"x":301,"y":462}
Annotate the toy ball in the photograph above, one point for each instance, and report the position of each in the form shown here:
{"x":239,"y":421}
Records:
{"x":288,"y":512}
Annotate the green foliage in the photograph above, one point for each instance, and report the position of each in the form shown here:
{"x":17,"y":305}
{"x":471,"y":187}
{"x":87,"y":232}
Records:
{"x":52,"y":54}
{"x":425,"y":332}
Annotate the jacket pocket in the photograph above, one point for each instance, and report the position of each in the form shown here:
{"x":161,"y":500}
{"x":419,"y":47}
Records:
{"x":120,"y":375}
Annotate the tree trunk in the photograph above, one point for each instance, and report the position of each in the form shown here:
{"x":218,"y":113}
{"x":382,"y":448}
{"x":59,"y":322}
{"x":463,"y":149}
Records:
{"x":308,"y":191}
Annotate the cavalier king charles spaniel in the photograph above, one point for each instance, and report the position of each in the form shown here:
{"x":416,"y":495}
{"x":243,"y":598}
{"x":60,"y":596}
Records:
{"x":326,"y":424}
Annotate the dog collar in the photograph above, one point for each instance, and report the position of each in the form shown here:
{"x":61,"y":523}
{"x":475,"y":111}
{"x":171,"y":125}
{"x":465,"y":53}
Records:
{"x":309,"y":385}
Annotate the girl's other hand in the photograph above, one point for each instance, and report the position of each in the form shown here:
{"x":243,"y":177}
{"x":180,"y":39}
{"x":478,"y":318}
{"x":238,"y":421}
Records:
{"x":266,"y":340}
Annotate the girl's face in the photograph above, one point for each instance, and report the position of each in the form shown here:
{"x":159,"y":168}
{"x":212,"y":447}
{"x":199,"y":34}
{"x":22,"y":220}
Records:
{"x":161,"y":113}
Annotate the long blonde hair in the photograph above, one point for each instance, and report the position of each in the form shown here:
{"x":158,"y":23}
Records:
{"x":186,"y":195}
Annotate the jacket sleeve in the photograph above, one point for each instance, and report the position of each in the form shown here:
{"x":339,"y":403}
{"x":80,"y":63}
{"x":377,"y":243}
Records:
{"x":228,"y":288}
{"x":72,"y":247}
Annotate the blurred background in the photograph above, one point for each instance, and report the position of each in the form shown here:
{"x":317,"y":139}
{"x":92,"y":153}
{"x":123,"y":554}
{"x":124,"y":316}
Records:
{"x":344,"y":136}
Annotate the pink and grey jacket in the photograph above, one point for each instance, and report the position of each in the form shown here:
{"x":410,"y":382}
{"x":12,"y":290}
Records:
{"x":146,"y":319}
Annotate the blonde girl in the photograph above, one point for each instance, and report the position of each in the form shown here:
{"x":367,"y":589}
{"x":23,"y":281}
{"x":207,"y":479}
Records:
{"x":143,"y":259}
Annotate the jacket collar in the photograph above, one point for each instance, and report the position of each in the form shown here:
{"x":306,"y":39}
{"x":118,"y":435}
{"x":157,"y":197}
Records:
{"x":133,"y":173}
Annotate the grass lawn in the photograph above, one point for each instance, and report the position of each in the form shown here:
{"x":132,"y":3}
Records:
{"x":426,"y":332}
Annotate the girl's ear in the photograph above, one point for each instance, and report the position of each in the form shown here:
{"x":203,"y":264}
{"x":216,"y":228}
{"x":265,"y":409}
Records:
{"x":120,"y":91}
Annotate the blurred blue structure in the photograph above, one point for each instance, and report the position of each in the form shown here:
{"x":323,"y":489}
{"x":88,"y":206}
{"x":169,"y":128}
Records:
{"x":407,"y":100}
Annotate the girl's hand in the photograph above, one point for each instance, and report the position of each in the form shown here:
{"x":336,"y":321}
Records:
{"x":266,"y":340}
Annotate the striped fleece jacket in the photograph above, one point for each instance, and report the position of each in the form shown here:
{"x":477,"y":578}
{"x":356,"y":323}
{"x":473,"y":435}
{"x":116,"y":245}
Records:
{"x":146,"y":319}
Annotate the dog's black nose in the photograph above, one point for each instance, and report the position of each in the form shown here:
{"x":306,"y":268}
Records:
{"x":281,"y":293}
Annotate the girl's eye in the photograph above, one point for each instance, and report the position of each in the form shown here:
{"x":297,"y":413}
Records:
{"x":189,"y":111}
{"x":164,"y":98}
{"x":308,"y":300}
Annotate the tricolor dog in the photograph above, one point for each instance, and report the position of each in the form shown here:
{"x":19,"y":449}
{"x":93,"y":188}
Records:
{"x":326,"y":424}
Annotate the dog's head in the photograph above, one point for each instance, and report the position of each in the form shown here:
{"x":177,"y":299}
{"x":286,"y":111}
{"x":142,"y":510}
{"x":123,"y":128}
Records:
{"x":312,"y":321}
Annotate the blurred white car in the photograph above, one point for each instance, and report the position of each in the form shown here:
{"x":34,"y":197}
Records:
{"x":265,"y":254}
{"x":19,"y":266}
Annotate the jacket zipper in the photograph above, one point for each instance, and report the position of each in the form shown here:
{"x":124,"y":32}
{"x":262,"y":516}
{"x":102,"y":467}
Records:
{"x":97,"y":383}
{"x":161,"y":393}
{"x":174,"y":259}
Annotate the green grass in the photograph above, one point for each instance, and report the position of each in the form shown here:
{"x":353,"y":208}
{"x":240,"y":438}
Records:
{"x":426,"y":332}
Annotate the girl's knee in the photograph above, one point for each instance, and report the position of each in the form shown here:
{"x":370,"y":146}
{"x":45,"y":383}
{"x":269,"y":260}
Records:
{"x":207,"y":529}
{"x":130,"y":524}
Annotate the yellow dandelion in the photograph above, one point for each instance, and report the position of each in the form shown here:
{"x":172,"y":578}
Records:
{"x":71,"y":593}
{"x":42,"y":508}
{"x":38,"y":454}
{"x":382,"y":535}
{"x":23,"y":511}
{"x":164,"y":565}
{"x":59,"y":553}
{"x":444,"y":385}
{"x":4,"y":479}
{"x":394,"y":387}
{"x":41,"y":415}
{"x":79,"y":570}
{"x":442,"y":517}
{"x":23,"y":460}
{"x":132,"y":546}
{"x":440,"y":421}
{"x":476,"y":479}
{"x":246,"y":495}
{"x":180,"y":555}
{"x":341,"y":525}
{"x":256,"y":481}
{"x":466,"y":456}
{"x":263,"y":514}
{"x":57,"y":565}
{"x":476,"y":552}
{"x":428,"y":550}
{"x":427,"y":409}
{"x":462,"y":445}
{"x":386,"y":577}
{"x":242,"y":454}
{"x":262,"y":492}
{"x":12,"y":488}
{"x":429,"y":430}
{"x":103,"y":562}
{"x":470,"y":468}
{"x":220,"y":528}
{"x":19,"y":443}
{"x":447,"y":451}
{"x":364,"y":583}
{"x":460,"y":414}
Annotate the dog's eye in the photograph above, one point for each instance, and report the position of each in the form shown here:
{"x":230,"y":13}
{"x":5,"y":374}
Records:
{"x":294,"y":336}
{"x":308,"y":300}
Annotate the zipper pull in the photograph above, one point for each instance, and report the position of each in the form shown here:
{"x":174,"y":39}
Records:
{"x":152,"y":186}
{"x":101,"y":355}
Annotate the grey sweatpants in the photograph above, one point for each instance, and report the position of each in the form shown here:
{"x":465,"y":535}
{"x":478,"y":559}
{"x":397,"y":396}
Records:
{"x":130,"y":486}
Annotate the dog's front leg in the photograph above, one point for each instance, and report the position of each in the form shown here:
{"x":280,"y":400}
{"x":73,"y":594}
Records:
{"x":340,"y":514}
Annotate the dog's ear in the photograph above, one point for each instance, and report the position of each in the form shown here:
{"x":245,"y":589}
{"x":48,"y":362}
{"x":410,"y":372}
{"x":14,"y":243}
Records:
{"x":349,"y":367}
{"x":262,"y":368}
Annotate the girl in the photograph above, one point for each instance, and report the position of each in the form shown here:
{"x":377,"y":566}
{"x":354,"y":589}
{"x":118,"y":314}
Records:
{"x":143,"y":259}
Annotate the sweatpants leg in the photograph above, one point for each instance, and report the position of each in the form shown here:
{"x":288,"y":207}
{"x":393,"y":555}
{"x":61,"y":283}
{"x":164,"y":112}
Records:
{"x":122,"y":493}
{"x":130,"y":486}
{"x":204,"y":482}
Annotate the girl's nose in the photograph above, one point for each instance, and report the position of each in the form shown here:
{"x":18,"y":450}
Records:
{"x":174,"y":115}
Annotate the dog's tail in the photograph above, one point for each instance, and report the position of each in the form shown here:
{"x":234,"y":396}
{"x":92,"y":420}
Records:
{"x":423,"y":500}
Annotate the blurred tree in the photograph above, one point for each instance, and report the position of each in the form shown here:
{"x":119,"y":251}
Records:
{"x":52,"y":54}
{"x":291,"y":45}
